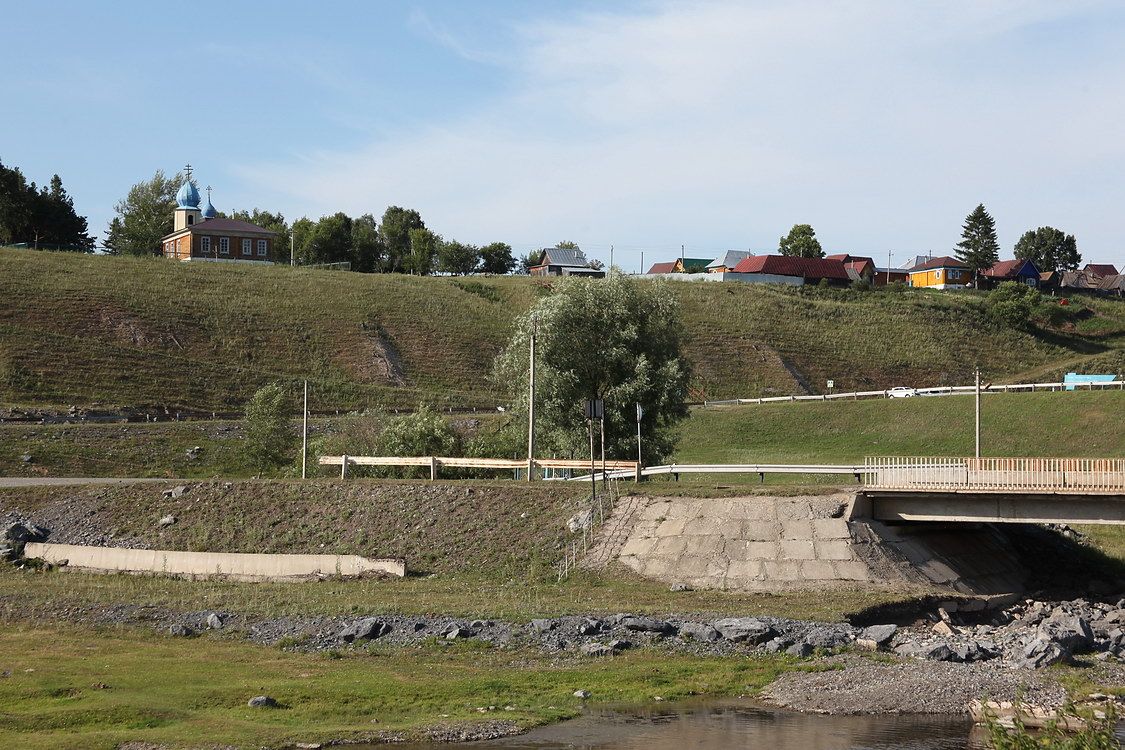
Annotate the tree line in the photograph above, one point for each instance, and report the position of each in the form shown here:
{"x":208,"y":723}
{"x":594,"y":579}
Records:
{"x":42,"y":217}
{"x":1048,"y":248}
{"x":398,"y":242}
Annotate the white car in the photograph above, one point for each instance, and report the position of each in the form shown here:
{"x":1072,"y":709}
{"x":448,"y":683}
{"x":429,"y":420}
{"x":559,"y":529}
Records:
{"x":902,"y":392}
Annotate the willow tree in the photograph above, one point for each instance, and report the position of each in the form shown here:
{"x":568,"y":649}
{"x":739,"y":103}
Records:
{"x":614,"y":339}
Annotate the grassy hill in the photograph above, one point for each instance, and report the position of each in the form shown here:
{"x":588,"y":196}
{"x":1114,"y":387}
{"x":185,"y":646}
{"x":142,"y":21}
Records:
{"x":146,"y":332}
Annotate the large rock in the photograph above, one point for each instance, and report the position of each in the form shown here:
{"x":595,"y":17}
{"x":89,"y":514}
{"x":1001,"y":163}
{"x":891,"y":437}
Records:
{"x":590,"y":626}
{"x":1071,"y":632}
{"x":261,"y":701}
{"x":827,"y":637}
{"x":1043,"y":653}
{"x":880,"y":635}
{"x":700,"y":631}
{"x":596,"y":649}
{"x":543,"y":625}
{"x":367,"y":629}
{"x":579,"y":521}
{"x":25,"y":532}
{"x":749,"y":629}
{"x":647,"y":625}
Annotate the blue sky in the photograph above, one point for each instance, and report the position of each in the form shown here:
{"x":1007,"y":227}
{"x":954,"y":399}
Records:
{"x":642,"y":125}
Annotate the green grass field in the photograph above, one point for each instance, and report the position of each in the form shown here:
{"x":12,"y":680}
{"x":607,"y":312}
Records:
{"x":149,"y":333}
{"x":88,"y":690}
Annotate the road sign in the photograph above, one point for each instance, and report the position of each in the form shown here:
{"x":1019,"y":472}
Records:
{"x":831,"y":383}
{"x":595,"y":409}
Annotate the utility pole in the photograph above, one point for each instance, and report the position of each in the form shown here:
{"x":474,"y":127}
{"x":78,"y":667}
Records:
{"x":888,"y":268}
{"x":593,"y":481}
{"x":531,"y":407}
{"x":640,"y":413}
{"x":305,"y":431}
{"x":681,"y":255}
{"x":977,"y":410}
{"x":611,"y":257}
{"x":642,"y":268}
{"x":604,"y":480}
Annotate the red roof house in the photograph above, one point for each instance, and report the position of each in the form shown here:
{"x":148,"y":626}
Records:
{"x":1023,"y":271}
{"x":1100,"y":270}
{"x":809,"y":270}
{"x":669,"y":267}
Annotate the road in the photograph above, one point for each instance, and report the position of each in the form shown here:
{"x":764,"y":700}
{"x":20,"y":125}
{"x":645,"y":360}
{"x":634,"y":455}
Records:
{"x":63,"y":481}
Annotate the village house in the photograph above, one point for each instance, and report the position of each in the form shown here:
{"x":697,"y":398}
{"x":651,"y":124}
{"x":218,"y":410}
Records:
{"x":784,"y":269}
{"x":1100,"y":270}
{"x":680,"y":265}
{"x":557,"y":261}
{"x":199,"y":234}
{"x":727,"y":261}
{"x":858,"y":267}
{"x":941,"y":273}
{"x":1021,"y":271}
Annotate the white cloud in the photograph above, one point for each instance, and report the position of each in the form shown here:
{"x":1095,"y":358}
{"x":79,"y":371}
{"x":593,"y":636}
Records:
{"x":720,"y":124}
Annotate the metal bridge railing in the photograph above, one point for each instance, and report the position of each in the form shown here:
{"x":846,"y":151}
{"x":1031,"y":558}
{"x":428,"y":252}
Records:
{"x":1101,"y":475}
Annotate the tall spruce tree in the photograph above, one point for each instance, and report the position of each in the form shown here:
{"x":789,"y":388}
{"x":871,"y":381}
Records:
{"x":978,"y":248}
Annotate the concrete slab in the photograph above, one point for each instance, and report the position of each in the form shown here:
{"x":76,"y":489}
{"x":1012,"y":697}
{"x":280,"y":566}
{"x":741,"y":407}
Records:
{"x":852,"y":571}
{"x":835,"y":549}
{"x":797,"y":529}
{"x":759,"y":531}
{"x":741,"y":571}
{"x":817,"y":570}
{"x":831,"y":528}
{"x":797,"y":549}
{"x":671,"y":527}
{"x":782,"y":570}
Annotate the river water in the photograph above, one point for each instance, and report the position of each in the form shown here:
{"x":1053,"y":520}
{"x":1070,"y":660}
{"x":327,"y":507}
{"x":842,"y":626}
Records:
{"x":717,"y":726}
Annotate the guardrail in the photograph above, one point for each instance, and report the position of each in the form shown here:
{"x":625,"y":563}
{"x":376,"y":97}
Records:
{"x":1086,"y":475}
{"x":855,"y":470}
{"x":435,"y":463}
{"x":946,"y":390}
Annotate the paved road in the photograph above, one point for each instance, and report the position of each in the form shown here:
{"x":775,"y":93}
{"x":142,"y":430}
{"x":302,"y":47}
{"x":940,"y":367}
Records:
{"x":63,"y":481}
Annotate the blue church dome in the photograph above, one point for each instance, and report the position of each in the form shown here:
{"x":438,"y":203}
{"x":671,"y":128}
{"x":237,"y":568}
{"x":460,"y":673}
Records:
{"x":188,"y":197}
{"x":209,"y":211}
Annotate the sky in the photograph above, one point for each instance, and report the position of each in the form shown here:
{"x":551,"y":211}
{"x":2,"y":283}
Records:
{"x":645,"y":126}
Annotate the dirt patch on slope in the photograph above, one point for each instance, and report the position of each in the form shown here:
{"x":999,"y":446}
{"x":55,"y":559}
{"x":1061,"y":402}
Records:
{"x":373,"y":357}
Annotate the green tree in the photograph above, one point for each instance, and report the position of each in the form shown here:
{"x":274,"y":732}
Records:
{"x":616,"y":339}
{"x":367,"y":245}
{"x":395,"y":231}
{"x":274,"y":222}
{"x":144,"y":216}
{"x":42,"y":217}
{"x":270,"y":437}
{"x":1049,"y":249}
{"x":801,"y":242}
{"x":567,"y":245}
{"x":978,"y":248}
{"x":1013,"y":303}
{"x":457,"y":257}
{"x":496,"y":257}
{"x":533,"y":258}
{"x":302,"y":231}
{"x":330,"y":241}
{"x":423,"y":251}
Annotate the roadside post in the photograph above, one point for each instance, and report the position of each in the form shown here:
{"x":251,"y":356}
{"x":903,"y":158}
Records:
{"x":305,"y":431}
{"x":595,"y":409}
{"x":640,"y":415}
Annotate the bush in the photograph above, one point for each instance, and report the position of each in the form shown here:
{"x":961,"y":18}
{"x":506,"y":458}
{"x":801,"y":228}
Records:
{"x":270,"y":437}
{"x":423,"y":433}
{"x":1012,"y":304}
{"x":1095,"y":734}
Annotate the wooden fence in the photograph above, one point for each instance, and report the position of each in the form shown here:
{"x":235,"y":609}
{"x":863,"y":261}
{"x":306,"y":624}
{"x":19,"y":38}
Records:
{"x":435,"y":463}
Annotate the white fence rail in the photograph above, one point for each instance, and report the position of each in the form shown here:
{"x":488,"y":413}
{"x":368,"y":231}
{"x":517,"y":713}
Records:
{"x":855,"y":470}
{"x":945,"y":390}
{"x":1093,"y":475}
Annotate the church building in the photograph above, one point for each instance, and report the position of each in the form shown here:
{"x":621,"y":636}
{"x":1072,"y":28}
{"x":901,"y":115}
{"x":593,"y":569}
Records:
{"x":200,"y":234}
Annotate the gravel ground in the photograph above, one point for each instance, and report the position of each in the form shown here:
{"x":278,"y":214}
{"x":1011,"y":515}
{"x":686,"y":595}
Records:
{"x":864,"y":686}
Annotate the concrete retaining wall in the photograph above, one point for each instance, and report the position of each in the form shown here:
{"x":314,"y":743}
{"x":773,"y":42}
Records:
{"x":231,"y":565}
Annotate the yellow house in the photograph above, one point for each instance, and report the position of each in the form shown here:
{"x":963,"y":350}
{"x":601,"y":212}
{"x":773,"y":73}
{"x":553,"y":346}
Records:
{"x":941,"y":273}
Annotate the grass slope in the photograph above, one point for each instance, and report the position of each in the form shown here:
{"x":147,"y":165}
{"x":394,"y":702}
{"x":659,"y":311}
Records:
{"x":147,"y":332}
{"x":1079,"y":424}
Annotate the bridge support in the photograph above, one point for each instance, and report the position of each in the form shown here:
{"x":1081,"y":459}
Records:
{"x":989,"y":507}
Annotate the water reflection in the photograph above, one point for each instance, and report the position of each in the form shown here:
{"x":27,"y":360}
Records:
{"x":714,"y":726}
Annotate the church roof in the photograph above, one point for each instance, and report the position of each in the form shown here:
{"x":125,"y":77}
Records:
{"x":228,"y":225}
{"x":209,"y":211}
{"x":188,"y":196}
